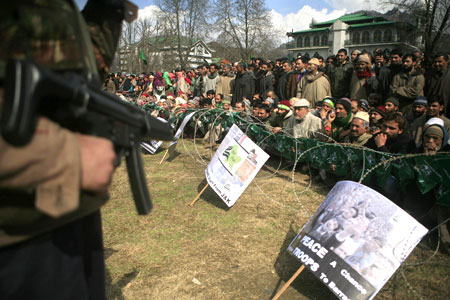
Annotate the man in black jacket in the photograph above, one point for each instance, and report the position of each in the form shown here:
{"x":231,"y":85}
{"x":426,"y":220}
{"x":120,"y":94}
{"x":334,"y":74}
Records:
{"x":244,"y":85}
{"x":392,"y":138}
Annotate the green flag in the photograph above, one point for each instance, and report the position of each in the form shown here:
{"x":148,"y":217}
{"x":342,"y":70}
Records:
{"x":142,"y":56}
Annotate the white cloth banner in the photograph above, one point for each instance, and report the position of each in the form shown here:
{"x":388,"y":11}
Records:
{"x":234,"y":165}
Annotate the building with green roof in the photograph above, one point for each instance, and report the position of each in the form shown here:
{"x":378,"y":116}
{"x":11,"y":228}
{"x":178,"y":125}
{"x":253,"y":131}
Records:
{"x":162,"y":53}
{"x":357,"y":31}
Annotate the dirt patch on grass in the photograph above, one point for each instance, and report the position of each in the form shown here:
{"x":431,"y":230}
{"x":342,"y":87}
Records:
{"x":211,"y":252}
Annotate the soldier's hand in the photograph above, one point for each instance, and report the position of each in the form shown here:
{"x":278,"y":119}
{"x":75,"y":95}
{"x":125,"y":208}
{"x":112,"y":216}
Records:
{"x":97,"y":163}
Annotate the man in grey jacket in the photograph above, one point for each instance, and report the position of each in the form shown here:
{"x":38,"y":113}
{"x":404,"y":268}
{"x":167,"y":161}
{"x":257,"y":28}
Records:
{"x":303,"y":124}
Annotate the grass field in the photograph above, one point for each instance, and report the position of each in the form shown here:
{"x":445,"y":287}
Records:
{"x":211,"y":252}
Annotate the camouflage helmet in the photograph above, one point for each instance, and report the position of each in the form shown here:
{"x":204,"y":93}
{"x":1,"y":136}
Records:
{"x":52,"y":33}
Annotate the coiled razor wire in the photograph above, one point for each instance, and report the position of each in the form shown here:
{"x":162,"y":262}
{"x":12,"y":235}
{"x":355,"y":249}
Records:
{"x":297,"y":195}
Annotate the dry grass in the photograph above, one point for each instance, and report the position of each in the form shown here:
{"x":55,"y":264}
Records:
{"x":211,"y":252}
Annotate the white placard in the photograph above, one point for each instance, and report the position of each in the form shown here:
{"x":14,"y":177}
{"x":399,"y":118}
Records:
{"x":356,"y":240}
{"x":234,"y":165}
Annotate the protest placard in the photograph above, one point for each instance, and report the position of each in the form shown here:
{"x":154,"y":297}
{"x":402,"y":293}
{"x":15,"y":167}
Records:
{"x":356,"y":240}
{"x":152,"y":146}
{"x":234,"y":165}
{"x":173,"y":144}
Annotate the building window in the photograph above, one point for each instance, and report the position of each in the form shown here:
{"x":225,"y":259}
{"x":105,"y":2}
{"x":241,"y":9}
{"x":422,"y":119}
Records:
{"x":365,"y":37}
{"x":306,"y":54}
{"x":299,"y":54}
{"x":307,"y":42}
{"x":299,"y":42}
{"x":355,"y":39}
{"x":387,"y":36}
{"x":324,"y":41}
{"x":377,"y":36}
{"x":316,"y":40}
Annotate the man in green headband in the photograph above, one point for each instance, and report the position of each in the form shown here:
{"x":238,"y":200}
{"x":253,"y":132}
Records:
{"x":281,"y":118}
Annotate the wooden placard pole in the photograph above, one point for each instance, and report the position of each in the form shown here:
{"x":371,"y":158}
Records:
{"x":167,"y":151}
{"x":287,"y":284}
{"x":198,"y":196}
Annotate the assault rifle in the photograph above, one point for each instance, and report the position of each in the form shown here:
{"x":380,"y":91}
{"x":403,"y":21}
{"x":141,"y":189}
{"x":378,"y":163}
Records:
{"x":74,"y":103}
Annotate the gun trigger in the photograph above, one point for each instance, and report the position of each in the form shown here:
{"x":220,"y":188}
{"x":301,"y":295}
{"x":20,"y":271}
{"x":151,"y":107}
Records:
{"x":84,"y":100}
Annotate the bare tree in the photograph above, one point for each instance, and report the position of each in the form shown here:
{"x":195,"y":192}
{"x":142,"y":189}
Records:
{"x":184,"y":22}
{"x":246,"y":24}
{"x":433,"y":18}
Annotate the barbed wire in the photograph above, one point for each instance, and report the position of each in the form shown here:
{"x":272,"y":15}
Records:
{"x":297,"y":195}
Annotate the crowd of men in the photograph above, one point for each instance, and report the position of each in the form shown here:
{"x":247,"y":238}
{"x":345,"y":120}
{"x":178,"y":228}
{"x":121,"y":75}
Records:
{"x":392,"y":103}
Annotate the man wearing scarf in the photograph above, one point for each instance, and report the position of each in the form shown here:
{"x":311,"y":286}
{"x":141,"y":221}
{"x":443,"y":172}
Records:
{"x":364,"y":81}
{"x":315,"y":85}
{"x":340,"y":127}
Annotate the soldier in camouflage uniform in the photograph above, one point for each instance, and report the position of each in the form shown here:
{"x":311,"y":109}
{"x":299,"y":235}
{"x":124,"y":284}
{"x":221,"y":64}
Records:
{"x":50,"y":236}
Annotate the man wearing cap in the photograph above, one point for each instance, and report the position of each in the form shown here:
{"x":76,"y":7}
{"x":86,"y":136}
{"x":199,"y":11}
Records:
{"x":340,"y":73}
{"x":359,"y":130}
{"x":363,"y":81}
{"x":376,"y":114}
{"x":303,"y":124}
{"x":391,"y":105}
{"x":326,"y":107}
{"x":340,"y":126}
{"x":435,"y":110}
{"x":226,"y":103}
{"x":281,"y":118}
{"x":419,"y":108}
{"x":408,"y":84}
{"x":314,"y":86}
{"x":363,"y":105}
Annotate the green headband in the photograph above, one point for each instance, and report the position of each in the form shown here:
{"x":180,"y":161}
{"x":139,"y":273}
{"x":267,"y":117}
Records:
{"x":329,"y":102}
{"x":282,"y":106}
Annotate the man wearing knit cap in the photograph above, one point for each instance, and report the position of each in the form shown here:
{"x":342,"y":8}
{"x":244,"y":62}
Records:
{"x":281,"y":118}
{"x":314,"y":86}
{"x":226,"y":103}
{"x":435,"y":109}
{"x":435,"y":139}
{"x":363,"y":105}
{"x":364,"y":81}
{"x":419,"y":108}
{"x":391,"y":105}
{"x":359,"y":130}
{"x":303,"y":124}
{"x":376,"y":115}
{"x":340,"y":126}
